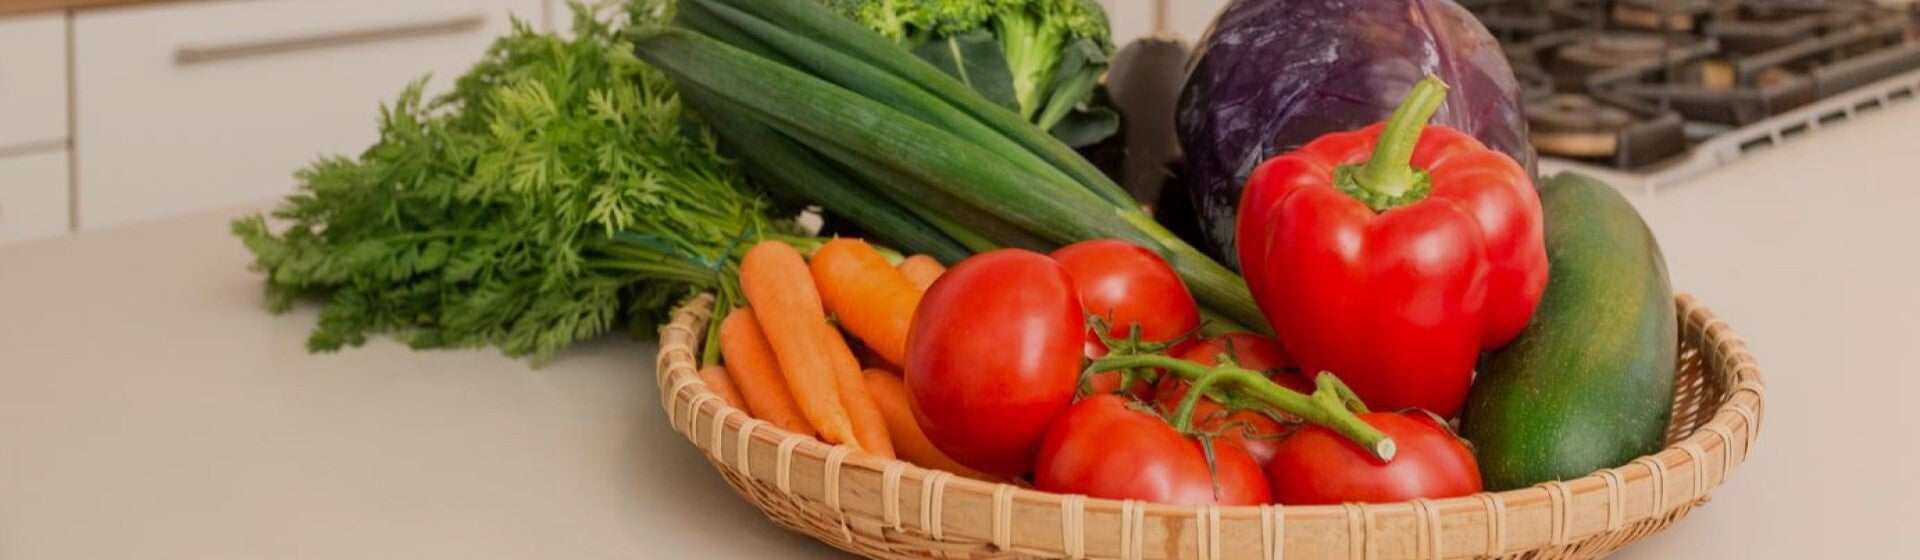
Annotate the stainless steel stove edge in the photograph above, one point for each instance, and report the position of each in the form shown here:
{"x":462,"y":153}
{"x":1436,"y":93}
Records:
{"x":1779,"y":131}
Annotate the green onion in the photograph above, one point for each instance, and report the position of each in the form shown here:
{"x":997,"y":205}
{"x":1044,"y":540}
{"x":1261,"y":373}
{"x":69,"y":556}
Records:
{"x":925,"y":160}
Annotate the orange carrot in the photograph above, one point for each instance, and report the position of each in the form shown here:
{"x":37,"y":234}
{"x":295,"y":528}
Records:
{"x":778,"y":284}
{"x":869,"y":426}
{"x":922,"y":270}
{"x":721,"y":383}
{"x":757,"y":373}
{"x":872,"y":300}
{"x":890,"y":395}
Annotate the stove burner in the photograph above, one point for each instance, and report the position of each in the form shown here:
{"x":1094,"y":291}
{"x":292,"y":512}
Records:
{"x":1745,"y":89}
{"x":1663,"y":15}
{"x":1588,"y":63}
{"x":1534,"y":82}
{"x":1517,"y":20}
{"x":1638,"y":82}
{"x":1583,"y":127}
{"x":1615,"y":49}
{"x":1762,"y":26}
{"x":1575,"y":125}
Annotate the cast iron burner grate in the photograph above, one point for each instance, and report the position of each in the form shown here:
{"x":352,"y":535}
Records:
{"x":1667,"y":89}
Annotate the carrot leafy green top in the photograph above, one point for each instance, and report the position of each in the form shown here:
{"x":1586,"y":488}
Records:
{"x":558,"y":191}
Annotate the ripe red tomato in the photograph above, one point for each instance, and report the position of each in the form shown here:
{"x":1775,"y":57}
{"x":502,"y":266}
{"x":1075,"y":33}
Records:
{"x":1317,"y":466}
{"x":1130,"y":285}
{"x":1104,"y":448}
{"x":993,"y":356}
{"x":1254,"y":431}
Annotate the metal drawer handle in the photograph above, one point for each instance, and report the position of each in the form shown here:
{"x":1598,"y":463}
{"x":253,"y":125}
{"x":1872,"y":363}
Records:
{"x":200,"y":53}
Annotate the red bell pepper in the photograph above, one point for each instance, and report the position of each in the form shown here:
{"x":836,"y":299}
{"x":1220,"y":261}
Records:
{"x":1392,"y":255}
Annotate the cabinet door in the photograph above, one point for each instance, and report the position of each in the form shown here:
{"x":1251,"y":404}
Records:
{"x":193,"y":105}
{"x":33,"y":82}
{"x":33,"y":196}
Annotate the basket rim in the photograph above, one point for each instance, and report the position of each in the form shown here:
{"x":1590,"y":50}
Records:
{"x":1742,"y":401}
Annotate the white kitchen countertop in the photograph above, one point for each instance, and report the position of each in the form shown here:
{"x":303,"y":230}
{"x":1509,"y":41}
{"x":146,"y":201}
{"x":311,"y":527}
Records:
{"x":150,"y":408}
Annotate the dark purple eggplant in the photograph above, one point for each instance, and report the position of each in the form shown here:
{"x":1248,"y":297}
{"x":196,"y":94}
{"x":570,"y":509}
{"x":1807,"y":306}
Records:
{"x":1272,"y":75}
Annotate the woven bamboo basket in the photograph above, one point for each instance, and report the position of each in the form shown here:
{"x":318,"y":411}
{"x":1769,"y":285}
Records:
{"x":887,"y":509}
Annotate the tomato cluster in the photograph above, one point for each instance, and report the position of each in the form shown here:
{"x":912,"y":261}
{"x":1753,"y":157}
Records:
{"x":997,"y":355}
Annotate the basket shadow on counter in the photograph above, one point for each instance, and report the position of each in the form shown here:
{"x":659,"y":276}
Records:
{"x":678,"y":479}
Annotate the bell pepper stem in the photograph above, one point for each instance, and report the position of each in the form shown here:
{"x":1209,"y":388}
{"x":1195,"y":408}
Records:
{"x":1327,"y":407}
{"x":1390,"y":173}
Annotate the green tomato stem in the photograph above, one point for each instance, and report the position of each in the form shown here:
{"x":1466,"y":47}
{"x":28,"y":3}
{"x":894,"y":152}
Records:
{"x":1328,"y":406}
{"x":1342,"y":394}
{"x":1197,"y":389}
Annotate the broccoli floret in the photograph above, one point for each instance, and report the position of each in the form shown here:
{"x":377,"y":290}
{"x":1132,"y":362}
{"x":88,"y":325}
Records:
{"x":1036,"y":36}
{"x":849,"y":9}
{"x":914,"y":21}
{"x":945,"y":18}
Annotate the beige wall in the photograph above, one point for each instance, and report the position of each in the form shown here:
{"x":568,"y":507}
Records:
{"x":1135,"y":18}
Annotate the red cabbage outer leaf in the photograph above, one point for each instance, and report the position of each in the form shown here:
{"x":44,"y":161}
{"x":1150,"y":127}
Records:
{"x":1272,"y":75}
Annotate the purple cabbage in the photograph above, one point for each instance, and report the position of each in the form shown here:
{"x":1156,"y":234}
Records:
{"x":1272,"y":75}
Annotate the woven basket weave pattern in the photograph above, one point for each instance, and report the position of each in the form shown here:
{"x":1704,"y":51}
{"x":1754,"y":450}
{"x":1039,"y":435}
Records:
{"x":887,"y":509}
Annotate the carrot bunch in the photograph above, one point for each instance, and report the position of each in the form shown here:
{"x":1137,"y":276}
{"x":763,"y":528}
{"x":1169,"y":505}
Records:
{"x":788,"y":363}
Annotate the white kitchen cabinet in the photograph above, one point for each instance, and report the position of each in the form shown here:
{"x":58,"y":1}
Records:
{"x":192,"y":105}
{"x":33,"y":196}
{"x":33,"y":83}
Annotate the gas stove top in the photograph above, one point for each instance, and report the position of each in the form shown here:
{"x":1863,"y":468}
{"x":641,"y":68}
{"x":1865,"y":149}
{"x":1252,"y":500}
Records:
{"x":1661,"y":90}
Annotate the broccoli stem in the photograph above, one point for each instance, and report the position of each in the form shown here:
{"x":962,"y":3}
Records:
{"x":1033,"y":47}
{"x":1070,"y":95}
